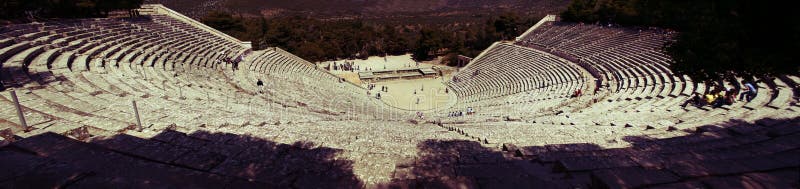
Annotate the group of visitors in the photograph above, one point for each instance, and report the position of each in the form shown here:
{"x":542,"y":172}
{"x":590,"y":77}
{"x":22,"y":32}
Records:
{"x":456,"y":114}
{"x":721,"y":96}
{"x":346,"y":66}
{"x":470,"y":111}
{"x":371,"y":86}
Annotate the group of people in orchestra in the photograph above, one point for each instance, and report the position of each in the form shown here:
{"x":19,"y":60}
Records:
{"x":470,"y":111}
{"x":345,"y":66}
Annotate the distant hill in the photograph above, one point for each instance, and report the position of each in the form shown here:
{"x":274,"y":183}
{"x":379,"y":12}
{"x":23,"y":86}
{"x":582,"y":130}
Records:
{"x":408,"y":10}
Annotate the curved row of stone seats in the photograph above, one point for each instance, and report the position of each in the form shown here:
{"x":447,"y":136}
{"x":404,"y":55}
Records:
{"x":665,"y":115}
{"x":316,"y":88}
{"x":79,"y":52}
{"x":506,"y":70}
{"x":523,"y":103}
{"x":764,"y":156}
{"x":726,"y":155}
{"x":639,"y":119}
{"x":643,"y":94}
{"x":86,"y":77}
{"x":107,"y":94}
{"x":627,"y":60}
{"x":764,"y":105}
{"x":242,"y":155}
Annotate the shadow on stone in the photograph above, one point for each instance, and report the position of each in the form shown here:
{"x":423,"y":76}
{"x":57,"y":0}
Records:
{"x":173,"y":160}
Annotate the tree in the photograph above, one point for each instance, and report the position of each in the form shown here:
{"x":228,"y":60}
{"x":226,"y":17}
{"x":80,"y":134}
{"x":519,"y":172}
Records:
{"x":223,"y":21}
{"x":507,"y":25}
{"x":430,"y":40}
{"x":20,"y":10}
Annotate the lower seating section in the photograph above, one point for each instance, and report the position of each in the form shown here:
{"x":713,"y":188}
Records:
{"x":726,"y":155}
{"x":248,"y":156}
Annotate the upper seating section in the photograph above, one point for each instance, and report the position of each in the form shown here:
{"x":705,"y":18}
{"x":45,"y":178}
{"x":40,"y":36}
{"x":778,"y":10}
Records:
{"x":622,"y":57}
{"x":85,"y":44}
{"x":83,"y":73}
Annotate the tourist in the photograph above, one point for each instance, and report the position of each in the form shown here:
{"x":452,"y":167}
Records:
{"x":719,"y":98}
{"x":730,"y":97}
{"x":260,"y":85}
{"x":378,"y":96}
{"x":470,"y":111}
{"x":696,"y":100}
{"x":710,"y":98}
{"x":750,"y":91}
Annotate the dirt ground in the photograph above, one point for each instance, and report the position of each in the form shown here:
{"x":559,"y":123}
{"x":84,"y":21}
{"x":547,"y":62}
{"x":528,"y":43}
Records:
{"x":408,"y":94}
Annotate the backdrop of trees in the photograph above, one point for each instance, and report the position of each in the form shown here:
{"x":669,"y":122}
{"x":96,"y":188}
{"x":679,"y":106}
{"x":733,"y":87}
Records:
{"x":21,"y":10}
{"x":717,"y":38}
{"x":318,"y":40}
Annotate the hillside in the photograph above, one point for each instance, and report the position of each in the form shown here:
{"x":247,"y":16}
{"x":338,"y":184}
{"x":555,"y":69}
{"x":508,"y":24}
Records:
{"x":366,"y":9}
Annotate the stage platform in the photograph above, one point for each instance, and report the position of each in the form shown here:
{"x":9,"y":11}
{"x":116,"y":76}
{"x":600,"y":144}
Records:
{"x":403,"y":73}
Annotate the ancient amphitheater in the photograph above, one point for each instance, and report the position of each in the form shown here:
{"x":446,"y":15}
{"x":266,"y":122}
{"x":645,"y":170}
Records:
{"x":201,"y":120}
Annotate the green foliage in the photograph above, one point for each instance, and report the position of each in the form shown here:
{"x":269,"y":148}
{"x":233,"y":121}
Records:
{"x":717,"y":38}
{"x":318,"y":40}
{"x":507,"y":25}
{"x":22,"y":9}
{"x":223,"y":21}
{"x":430,"y":41}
